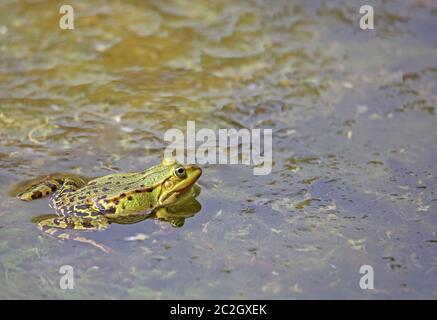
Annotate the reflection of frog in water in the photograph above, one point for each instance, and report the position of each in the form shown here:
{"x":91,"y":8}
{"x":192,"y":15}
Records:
{"x":166,"y":192}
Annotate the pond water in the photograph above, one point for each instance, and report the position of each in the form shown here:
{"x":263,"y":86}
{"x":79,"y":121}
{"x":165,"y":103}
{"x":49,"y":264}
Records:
{"x":354,"y":145}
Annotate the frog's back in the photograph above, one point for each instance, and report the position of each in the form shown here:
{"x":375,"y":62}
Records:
{"x":103,"y":195}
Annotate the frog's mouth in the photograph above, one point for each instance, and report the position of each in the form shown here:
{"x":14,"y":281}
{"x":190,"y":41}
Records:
{"x":172,"y":197}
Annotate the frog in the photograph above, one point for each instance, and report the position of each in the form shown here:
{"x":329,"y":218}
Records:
{"x":83,"y":204}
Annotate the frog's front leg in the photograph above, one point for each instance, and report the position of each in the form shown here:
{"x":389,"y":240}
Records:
{"x":56,"y":226}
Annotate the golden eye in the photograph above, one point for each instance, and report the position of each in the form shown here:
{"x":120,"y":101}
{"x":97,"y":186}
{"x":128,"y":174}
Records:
{"x":180,"y":172}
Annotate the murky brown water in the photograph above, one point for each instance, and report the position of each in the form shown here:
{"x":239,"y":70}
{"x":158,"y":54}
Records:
{"x":354,"y":144}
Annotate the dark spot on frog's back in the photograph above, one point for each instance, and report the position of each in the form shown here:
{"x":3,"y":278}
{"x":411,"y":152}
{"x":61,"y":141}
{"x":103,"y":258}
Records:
{"x":111,"y":210}
{"x":82,"y":207}
{"x":81,"y":214}
{"x":129,"y":198}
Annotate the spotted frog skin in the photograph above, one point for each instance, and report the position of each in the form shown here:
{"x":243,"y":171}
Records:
{"x":123,"y":198}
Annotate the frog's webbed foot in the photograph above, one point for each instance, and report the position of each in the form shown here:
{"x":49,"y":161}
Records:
{"x":56,"y":226}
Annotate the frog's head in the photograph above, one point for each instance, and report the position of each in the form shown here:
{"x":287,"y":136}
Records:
{"x":180,"y":179}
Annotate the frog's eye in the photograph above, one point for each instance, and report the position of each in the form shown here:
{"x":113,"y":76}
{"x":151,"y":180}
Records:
{"x":180,"y":172}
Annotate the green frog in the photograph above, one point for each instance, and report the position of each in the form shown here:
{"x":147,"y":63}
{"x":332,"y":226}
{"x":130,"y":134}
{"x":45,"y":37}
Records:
{"x":83,"y":204}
